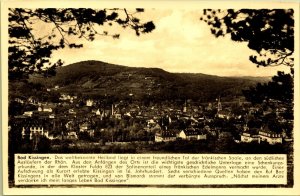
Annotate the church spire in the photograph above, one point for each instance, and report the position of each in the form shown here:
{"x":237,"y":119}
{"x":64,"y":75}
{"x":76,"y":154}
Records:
{"x":219,"y":104}
{"x":184,"y":107}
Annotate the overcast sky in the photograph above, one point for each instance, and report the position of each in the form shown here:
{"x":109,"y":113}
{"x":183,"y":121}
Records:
{"x":180,"y":43}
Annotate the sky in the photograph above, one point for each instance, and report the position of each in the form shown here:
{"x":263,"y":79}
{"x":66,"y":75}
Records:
{"x":179,"y":43}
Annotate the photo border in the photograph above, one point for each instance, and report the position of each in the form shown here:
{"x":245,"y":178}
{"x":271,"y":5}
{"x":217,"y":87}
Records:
{"x":145,"y":190}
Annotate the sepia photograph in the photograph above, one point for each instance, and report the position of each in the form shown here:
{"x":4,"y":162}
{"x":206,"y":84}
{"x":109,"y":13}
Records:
{"x":209,"y":88}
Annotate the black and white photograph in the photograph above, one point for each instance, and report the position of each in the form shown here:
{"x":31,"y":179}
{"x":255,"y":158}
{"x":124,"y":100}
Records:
{"x":140,"y":81}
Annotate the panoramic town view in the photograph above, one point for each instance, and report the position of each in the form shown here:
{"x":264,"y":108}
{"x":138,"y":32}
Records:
{"x":145,"y":116}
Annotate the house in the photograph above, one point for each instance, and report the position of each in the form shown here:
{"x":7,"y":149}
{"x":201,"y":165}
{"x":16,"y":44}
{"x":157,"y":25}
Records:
{"x":72,"y":135}
{"x":247,"y":137}
{"x":165,"y":136}
{"x":192,"y":134}
{"x":72,"y":111}
{"x":261,"y":135}
{"x":224,"y":114}
{"x":91,"y":132}
{"x":98,"y":113}
{"x":151,"y":123}
{"x":270,"y":136}
{"x":28,"y":113}
{"x":118,"y":116}
{"x":253,"y":110}
{"x":89,"y":102}
{"x":32,"y":100}
{"x":19,"y":100}
{"x":84,"y":127}
{"x":155,"y":128}
{"x":65,"y":97}
{"x":44,"y":108}
{"x":34,"y":131}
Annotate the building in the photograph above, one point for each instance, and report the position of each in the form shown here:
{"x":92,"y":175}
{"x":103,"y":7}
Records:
{"x":84,"y":127}
{"x":262,"y":135}
{"x":72,"y":111}
{"x":118,"y":116}
{"x":165,"y":136}
{"x":89,"y":102}
{"x":247,"y":137}
{"x":44,"y":109}
{"x":72,"y":135}
{"x":34,"y":131}
{"x":270,"y":137}
{"x":192,"y":134}
{"x":219,"y":105}
{"x":98,"y":113}
{"x":224,"y":114}
{"x":28,"y":113}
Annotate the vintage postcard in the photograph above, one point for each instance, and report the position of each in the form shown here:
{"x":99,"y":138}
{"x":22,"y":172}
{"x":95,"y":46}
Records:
{"x":157,"y":98}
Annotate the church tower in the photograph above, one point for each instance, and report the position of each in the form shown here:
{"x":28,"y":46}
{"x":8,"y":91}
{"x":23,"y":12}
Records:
{"x":219,"y":107}
{"x":184,"y":107}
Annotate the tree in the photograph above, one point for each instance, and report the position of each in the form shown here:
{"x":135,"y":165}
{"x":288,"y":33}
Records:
{"x":281,"y":88}
{"x":30,"y":49}
{"x":269,"y":32}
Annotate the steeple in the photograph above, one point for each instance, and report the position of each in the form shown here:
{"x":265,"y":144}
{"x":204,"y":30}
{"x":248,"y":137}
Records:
{"x":184,"y":107}
{"x":219,"y":105}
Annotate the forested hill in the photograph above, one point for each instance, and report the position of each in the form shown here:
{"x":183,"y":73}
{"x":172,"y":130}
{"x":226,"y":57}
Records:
{"x":96,"y":79}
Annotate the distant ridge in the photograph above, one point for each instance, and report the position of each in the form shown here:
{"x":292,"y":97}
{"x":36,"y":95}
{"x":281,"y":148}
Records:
{"x":97,"y":78}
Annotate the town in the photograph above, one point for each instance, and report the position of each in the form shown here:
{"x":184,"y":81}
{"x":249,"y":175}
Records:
{"x":74,"y":123}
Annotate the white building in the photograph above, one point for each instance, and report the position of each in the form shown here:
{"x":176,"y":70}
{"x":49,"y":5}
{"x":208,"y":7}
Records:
{"x":224,"y":114}
{"x":192,"y":134}
{"x":72,"y":135}
{"x":89,"y":102}
{"x":44,"y":109}
{"x":118,"y":116}
{"x":28,"y":113}
{"x":98,"y":113}
{"x":165,"y":136}
{"x":262,"y":135}
{"x":84,"y":127}
{"x":34,"y":131}
{"x":247,"y":137}
{"x":270,"y":137}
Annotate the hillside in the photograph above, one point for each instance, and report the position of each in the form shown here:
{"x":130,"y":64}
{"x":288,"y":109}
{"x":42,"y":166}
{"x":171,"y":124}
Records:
{"x":97,"y":79}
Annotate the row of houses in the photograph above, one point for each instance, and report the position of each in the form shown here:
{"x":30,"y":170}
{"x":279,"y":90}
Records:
{"x":262,"y":135}
{"x":34,"y":131}
{"x":186,"y":134}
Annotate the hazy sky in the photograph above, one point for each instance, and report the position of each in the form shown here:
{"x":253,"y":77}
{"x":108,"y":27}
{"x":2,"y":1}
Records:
{"x":180,"y":43}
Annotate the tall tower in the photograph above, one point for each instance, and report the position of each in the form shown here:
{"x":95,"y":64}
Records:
{"x":112,"y":109}
{"x":239,"y":103}
{"x":219,"y":107}
{"x":184,"y":107}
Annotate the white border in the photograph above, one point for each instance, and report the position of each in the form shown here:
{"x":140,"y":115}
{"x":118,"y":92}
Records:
{"x":145,"y":4}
